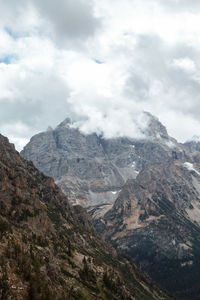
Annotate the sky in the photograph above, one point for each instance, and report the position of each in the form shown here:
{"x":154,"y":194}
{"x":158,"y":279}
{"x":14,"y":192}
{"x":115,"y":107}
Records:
{"x":101,"y":63}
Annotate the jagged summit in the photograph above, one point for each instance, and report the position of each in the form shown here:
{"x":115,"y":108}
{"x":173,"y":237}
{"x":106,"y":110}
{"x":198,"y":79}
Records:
{"x":49,"y":128}
{"x":155,"y":128}
{"x":195,"y":138}
{"x":66,"y":123}
{"x":149,"y":125}
{"x":91,"y":169}
{"x":143,"y":194}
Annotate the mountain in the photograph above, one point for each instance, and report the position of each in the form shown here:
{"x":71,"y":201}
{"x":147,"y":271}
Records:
{"x":92,"y":170}
{"x":193,"y":147}
{"x":156,"y":221}
{"x":49,"y":250}
{"x":143,"y":195}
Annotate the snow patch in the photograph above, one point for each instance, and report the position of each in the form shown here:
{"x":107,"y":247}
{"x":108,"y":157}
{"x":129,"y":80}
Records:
{"x":170,"y":144}
{"x":134,"y":167}
{"x":114,"y":192}
{"x":190,"y":167}
{"x":158,"y":135}
{"x":133,"y":164}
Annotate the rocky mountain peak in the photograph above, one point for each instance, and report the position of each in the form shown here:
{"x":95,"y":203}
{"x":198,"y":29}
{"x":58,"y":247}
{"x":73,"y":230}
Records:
{"x":91,"y":169}
{"x":66,"y":123}
{"x":195,"y":138}
{"x":155,"y":128}
{"x":144,"y":194}
{"x":156,"y":220}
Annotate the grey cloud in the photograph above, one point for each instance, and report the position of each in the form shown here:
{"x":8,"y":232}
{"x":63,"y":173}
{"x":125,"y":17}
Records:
{"x":66,"y":21}
{"x":40,"y":99}
{"x":12,"y":14}
{"x":153,"y":82}
{"x":40,"y":103}
{"x":71,"y":19}
{"x":153,"y":66}
{"x":180,"y":5}
{"x":147,"y":63}
{"x":138,"y":86}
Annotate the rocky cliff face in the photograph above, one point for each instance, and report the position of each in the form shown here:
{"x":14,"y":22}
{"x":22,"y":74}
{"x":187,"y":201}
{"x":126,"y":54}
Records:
{"x":91,"y":170}
{"x":49,"y":250}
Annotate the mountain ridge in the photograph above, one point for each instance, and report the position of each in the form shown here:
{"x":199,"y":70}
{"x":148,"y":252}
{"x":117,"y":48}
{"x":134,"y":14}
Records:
{"x":143,"y":196}
{"x":89,"y":168}
{"x":49,"y":250}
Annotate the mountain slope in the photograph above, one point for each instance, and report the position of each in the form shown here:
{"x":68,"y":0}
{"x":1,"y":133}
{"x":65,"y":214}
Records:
{"x":49,"y":250}
{"x":142,"y":194}
{"x":156,"y":220}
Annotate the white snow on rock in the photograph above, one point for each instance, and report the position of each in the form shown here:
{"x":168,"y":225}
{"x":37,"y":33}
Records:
{"x":170,"y":144}
{"x":133,"y":164}
{"x":114,"y":192}
{"x":190,"y":167}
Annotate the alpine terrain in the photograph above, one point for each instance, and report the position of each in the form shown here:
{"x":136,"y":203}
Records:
{"x":49,"y":250}
{"x":143,"y":195}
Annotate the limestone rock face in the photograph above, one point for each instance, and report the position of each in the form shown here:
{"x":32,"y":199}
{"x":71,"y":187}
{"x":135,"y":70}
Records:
{"x":49,"y":250}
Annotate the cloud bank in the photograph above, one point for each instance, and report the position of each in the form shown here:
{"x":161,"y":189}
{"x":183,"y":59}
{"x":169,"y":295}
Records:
{"x":100,"y":63}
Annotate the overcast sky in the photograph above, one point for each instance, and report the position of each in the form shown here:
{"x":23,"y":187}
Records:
{"x":100,"y":62}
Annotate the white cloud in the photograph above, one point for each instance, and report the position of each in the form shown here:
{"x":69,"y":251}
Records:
{"x":33,"y":90}
{"x":18,"y":133}
{"x":106,"y":115}
{"x":99,"y":61}
{"x":180,"y":125}
{"x":186,"y":64}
